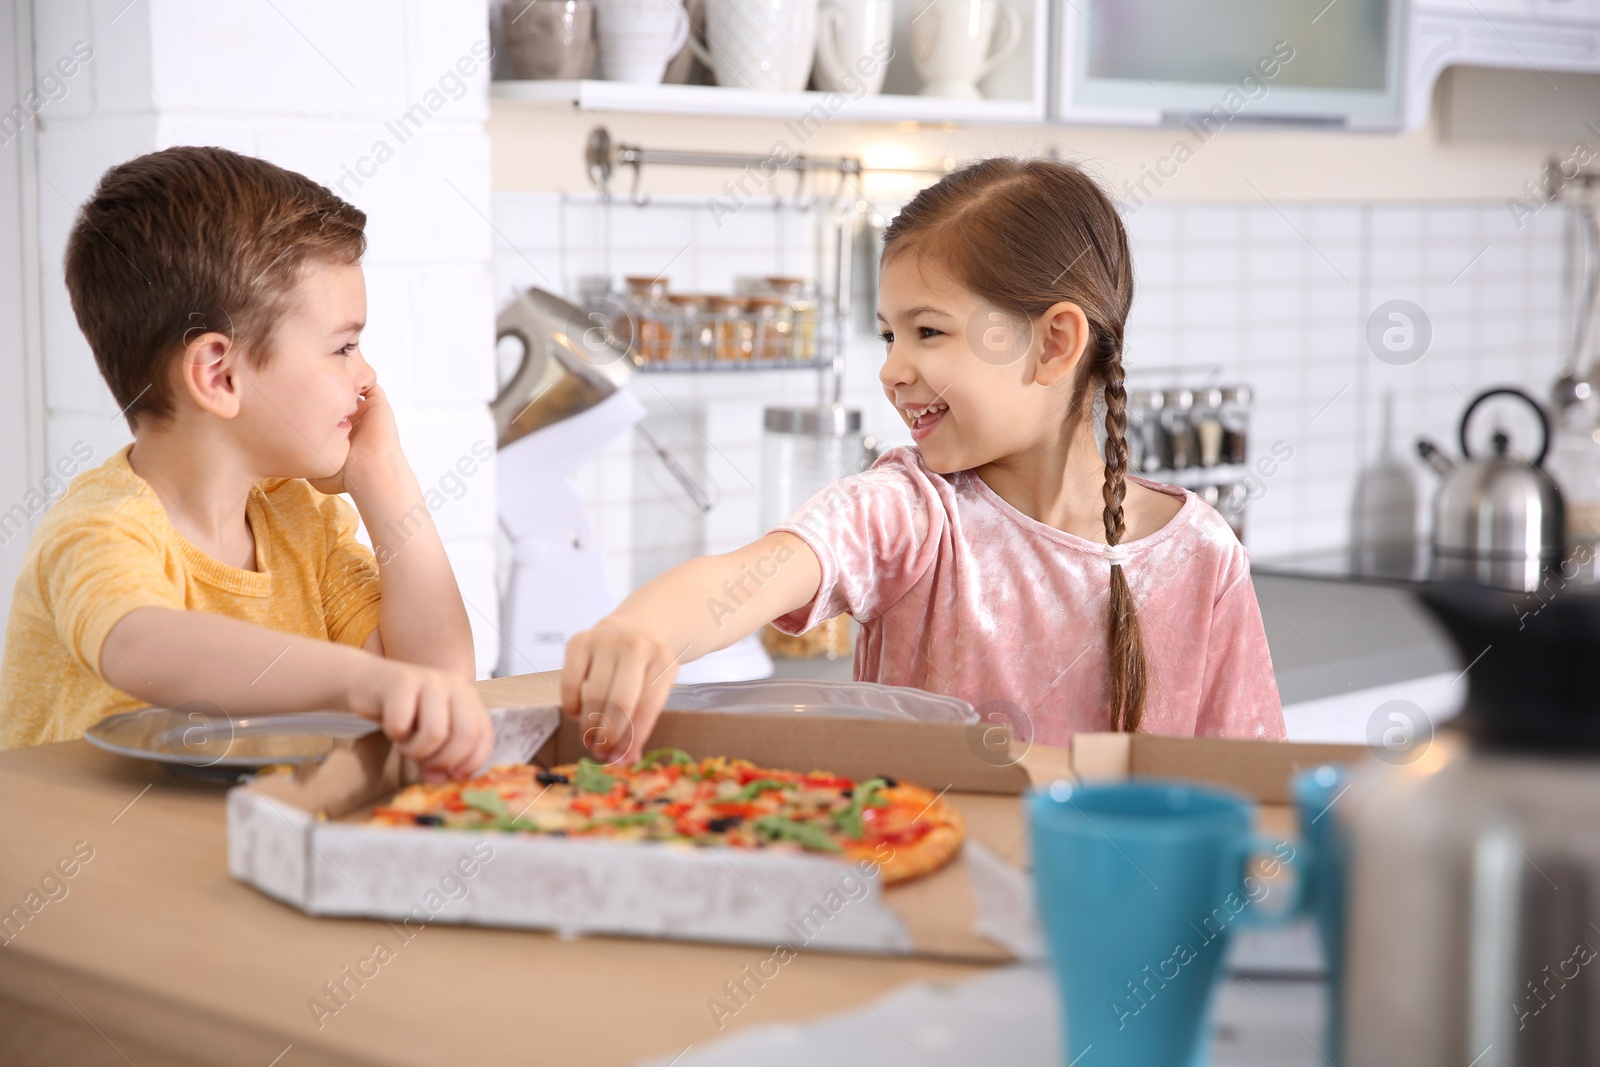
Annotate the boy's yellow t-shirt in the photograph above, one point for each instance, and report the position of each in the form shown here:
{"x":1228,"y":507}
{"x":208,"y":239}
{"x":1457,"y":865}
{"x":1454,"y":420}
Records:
{"x":106,"y":547}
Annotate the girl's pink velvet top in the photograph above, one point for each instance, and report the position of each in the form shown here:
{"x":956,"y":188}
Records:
{"x":958,"y":592}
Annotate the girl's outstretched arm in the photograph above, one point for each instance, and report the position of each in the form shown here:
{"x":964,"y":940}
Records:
{"x":617,"y":675}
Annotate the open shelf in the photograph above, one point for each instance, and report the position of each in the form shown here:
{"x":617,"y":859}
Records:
{"x":595,"y":95}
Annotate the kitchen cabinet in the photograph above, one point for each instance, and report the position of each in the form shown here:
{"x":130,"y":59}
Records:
{"x":1015,"y":93}
{"x":1538,"y":35}
{"x":1080,"y":63}
{"x":1142,"y":62}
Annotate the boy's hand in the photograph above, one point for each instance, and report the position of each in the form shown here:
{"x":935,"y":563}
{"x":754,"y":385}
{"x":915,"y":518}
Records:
{"x":374,"y":446}
{"x":435,"y":717}
{"x":615,"y":682}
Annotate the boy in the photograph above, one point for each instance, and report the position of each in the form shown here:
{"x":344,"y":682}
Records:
{"x":223,"y":299}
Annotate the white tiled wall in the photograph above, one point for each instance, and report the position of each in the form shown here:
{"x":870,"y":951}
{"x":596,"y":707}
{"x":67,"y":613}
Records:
{"x":313,"y":87}
{"x":1276,"y":296}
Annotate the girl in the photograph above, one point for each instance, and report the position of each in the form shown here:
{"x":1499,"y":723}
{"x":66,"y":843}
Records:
{"x":1007,"y":558}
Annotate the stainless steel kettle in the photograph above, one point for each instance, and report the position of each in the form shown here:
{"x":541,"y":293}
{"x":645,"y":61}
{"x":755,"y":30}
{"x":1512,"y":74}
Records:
{"x":1500,"y":519}
{"x":1473,"y":881}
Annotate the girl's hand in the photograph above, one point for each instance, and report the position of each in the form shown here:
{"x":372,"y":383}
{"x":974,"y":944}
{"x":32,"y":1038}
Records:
{"x":615,"y":682}
{"x":374,"y":445}
{"x":435,"y":717}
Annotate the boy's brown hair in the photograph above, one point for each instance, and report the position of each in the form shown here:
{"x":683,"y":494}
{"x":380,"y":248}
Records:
{"x":190,"y":239}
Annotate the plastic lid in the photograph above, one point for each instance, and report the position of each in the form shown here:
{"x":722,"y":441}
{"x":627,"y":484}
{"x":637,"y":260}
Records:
{"x":847,"y":700}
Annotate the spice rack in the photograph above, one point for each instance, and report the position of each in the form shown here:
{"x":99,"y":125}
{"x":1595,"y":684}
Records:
{"x":768,"y":323}
{"x":1197,"y":437}
{"x":781,"y":323}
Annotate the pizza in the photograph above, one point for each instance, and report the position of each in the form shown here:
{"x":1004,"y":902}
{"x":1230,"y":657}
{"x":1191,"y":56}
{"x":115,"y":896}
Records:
{"x":906,"y":830}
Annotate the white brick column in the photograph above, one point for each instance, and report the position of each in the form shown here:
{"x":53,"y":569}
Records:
{"x":384,"y":102}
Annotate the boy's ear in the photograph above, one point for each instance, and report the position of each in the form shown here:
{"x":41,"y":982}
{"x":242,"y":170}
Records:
{"x":1063,"y":332}
{"x":208,"y":372}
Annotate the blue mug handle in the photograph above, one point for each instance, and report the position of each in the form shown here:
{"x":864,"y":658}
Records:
{"x":1251,"y":846}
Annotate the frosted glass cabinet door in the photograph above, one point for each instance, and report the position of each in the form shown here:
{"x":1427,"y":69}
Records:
{"x":1259,"y":58}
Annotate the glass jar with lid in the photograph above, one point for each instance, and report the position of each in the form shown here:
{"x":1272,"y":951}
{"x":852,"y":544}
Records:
{"x":1152,"y":439}
{"x":798,"y":315}
{"x":805,"y":450}
{"x":1206,"y":418}
{"x":1138,"y":413}
{"x":651,"y":317}
{"x":1235,"y":416}
{"x":692,"y":336}
{"x":769,"y":343}
{"x":1179,"y":444}
{"x":733,"y":335}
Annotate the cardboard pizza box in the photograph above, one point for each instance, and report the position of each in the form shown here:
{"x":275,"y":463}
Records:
{"x":301,"y":838}
{"x":1261,"y":770}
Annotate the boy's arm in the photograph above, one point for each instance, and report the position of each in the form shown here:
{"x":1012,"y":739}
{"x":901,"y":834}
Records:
{"x":421,"y":616}
{"x":617,"y":675}
{"x":168,"y":657}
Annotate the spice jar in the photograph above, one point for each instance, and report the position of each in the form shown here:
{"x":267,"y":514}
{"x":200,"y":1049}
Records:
{"x":1235,"y":416}
{"x":650,"y":339}
{"x":798,"y":316}
{"x":733,"y":335}
{"x":1208,"y":426}
{"x":1152,"y":439}
{"x":692,"y":339}
{"x":1179,"y":445}
{"x":770,"y":344}
{"x":1138,"y":411}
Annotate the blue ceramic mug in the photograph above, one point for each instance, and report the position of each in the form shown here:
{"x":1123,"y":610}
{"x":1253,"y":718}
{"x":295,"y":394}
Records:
{"x":1322,"y":872}
{"x":1139,"y":886}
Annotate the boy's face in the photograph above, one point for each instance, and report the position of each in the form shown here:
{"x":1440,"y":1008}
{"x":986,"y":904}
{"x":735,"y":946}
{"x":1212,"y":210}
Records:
{"x":294,"y":411}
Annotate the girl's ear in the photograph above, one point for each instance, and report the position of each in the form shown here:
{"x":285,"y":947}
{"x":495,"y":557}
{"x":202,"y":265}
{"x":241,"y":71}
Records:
{"x":1063,"y":332}
{"x":209,"y":373}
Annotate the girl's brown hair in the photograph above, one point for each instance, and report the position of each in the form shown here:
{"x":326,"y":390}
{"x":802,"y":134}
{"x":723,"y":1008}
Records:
{"x":1024,"y":235}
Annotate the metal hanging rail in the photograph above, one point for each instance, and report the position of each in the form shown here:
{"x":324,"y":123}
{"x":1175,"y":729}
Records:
{"x":603,"y":157}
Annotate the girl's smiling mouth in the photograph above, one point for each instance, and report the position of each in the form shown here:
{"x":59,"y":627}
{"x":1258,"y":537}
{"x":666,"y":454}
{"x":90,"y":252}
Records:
{"x":924,"y":417}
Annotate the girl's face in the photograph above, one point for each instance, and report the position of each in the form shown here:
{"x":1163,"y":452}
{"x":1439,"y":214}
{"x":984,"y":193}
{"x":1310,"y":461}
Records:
{"x":972,"y":382}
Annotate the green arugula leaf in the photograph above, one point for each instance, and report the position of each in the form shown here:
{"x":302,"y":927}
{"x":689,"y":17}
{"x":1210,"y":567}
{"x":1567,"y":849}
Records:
{"x":849,"y":820}
{"x":807,"y":835}
{"x":592,"y":778}
{"x":632,"y":818}
{"x":487,"y":801}
{"x":753,"y":790}
{"x":519,"y":823}
{"x":672,"y":756}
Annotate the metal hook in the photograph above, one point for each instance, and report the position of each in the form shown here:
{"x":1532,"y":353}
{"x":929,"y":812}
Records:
{"x":635,"y":197}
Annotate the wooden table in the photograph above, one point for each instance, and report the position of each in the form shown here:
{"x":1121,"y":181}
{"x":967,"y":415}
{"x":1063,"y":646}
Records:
{"x":152,"y":954}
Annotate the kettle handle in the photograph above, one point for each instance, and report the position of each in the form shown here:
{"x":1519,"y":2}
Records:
{"x":1506,"y":390}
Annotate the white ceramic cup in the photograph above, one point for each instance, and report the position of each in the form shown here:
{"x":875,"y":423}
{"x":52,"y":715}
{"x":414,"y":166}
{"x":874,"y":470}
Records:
{"x":759,"y":45}
{"x":957,"y":43}
{"x":853,"y":45}
{"x":638,"y":38}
